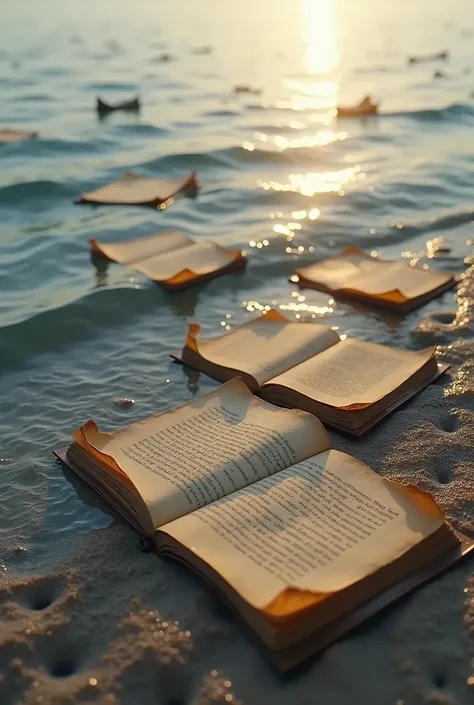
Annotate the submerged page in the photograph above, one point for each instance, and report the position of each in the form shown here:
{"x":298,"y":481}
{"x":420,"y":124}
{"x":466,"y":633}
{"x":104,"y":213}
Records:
{"x":267,"y":346}
{"x":145,"y":247}
{"x":318,"y":526}
{"x":190,"y":456}
{"x":200,"y":258}
{"x":373,"y":276}
{"x":353,"y":372}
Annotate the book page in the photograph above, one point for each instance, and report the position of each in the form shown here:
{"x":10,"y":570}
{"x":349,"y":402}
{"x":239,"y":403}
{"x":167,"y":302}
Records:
{"x":131,"y":188}
{"x":318,"y":526}
{"x":390,"y":276}
{"x":353,"y":372}
{"x":193,"y":455}
{"x":200,"y":258}
{"x":145,"y":247}
{"x":267,"y":346}
{"x":336,"y":272}
{"x":373,"y":276}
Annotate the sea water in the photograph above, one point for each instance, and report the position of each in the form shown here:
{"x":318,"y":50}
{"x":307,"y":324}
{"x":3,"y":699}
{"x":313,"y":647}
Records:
{"x":282,"y":178}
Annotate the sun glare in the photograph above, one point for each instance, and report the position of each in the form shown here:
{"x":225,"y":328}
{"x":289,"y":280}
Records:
{"x":319,"y":35}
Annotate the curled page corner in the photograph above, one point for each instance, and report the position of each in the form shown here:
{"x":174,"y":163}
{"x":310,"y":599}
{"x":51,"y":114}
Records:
{"x":192,"y":336}
{"x":290,"y":602}
{"x":392,"y":296}
{"x":82,"y":438}
{"x":424,"y":500}
{"x":274,"y":315}
{"x":182,"y":277}
{"x":354,"y":250}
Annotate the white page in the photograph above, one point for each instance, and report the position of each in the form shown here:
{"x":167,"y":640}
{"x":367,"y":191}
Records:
{"x":410,"y":281}
{"x":335,"y":272}
{"x":145,"y":247}
{"x":373,"y":276}
{"x":318,"y":526}
{"x":215,"y":444}
{"x":267,"y":346}
{"x":132,"y":188}
{"x":201,"y":258}
{"x":353,"y":372}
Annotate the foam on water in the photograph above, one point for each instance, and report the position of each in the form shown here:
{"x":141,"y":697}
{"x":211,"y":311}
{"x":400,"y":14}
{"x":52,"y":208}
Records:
{"x":284,"y":179}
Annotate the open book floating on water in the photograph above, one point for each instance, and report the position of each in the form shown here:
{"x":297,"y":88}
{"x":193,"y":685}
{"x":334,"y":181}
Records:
{"x":131,"y":189}
{"x":357,"y":275}
{"x":347,"y":383}
{"x":365,"y":107}
{"x":302,"y":542}
{"x":437,"y":56}
{"x":132,"y":105}
{"x":8,"y":136}
{"x":172,"y":259}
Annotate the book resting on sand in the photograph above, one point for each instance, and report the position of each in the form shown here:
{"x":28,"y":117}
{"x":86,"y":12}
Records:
{"x":172,"y":259}
{"x":347,"y":383}
{"x":302,"y":542}
{"x":356,"y":275}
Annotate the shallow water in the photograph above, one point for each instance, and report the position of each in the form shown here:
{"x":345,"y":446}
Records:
{"x":282,"y":178}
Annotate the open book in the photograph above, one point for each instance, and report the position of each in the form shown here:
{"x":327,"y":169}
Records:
{"x":302,"y":541}
{"x":172,"y":259}
{"x":131,"y":189}
{"x":131,"y":105}
{"x":347,"y":383}
{"x":8,"y":136}
{"x":357,"y":275}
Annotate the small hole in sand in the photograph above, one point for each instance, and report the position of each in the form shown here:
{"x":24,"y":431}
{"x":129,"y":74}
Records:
{"x":445,"y":475}
{"x":40,"y":593}
{"x":41,"y":602}
{"x":446,"y":317}
{"x":63,"y":669}
{"x":448,"y":423}
{"x":439,"y":679}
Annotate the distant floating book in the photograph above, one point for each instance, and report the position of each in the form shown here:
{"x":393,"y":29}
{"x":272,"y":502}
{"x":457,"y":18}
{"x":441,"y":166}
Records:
{"x":303,"y":542}
{"x":366,"y":107}
{"x":349,"y":384}
{"x":355,"y":274}
{"x":172,"y":259}
{"x":132,"y":105}
{"x":131,"y":189}
{"x":9,"y":136}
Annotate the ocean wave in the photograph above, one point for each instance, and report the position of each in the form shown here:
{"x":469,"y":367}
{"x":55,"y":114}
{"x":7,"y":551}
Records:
{"x":45,"y":146}
{"x":189,"y":160}
{"x":32,"y":191}
{"x":110,"y":86}
{"x":77,"y":321}
{"x":448,"y":113}
{"x":140,"y":128}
